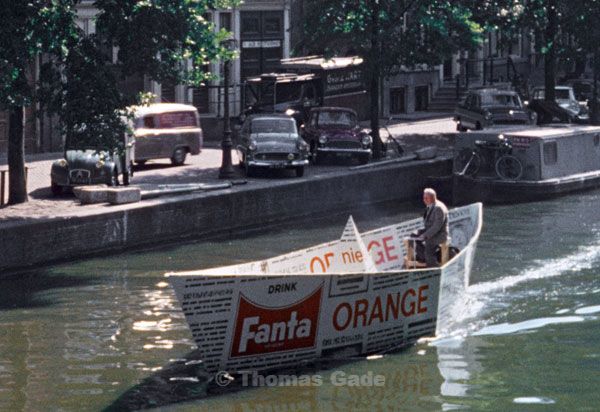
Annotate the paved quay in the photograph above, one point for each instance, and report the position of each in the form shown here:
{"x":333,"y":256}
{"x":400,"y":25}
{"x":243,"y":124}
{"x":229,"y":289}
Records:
{"x":412,"y":134}
{"x":48,"y":229}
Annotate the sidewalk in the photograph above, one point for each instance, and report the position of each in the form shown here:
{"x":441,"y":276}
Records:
{"x":197,"y":169}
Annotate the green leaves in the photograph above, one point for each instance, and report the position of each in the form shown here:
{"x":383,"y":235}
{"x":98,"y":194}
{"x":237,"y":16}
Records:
{"x":79,"y":81}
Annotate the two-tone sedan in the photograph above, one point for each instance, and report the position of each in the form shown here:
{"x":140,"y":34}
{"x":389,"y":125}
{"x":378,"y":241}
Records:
{"x":487,"y":107}
{"x":271,"y":141}
{"x":334,"y":131}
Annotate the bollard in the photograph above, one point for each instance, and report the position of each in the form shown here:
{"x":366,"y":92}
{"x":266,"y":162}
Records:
{"x":3,"y":184}
{"x":2,"y":177}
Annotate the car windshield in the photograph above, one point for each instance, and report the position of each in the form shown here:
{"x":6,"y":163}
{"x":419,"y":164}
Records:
{"x":561,"y":94}
{"x":509,"y":100}
{"x":273,"y":126}
{"x":337,"y":119}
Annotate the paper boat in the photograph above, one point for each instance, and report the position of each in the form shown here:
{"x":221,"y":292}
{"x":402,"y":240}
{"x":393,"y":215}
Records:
{"x":350,"y":297}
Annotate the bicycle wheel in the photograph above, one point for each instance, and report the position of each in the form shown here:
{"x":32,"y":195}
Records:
{"x":509,"y":167}
{"x":468,"y":162}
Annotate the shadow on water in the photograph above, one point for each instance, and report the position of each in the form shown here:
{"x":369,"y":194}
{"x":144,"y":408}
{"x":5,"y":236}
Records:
{"x":26,"y":290}
{"x":407,"y":380}
{"x":186,"y":380}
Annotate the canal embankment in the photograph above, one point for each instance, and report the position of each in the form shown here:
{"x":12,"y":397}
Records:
{"x":91,"y":231}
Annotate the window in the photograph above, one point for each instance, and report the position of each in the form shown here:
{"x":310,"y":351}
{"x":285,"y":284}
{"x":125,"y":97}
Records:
{"x":397,"y":100}
{"x":149,"y":122}
{"x":421,"y":98}
{"x":550,"y":153}
{"x":508,"y":100}
{"x":267,"y":125}
{"x":340,"y":119}
{"x":272,"y":25}
{"x":225,"y":21}
{"x":309,"y":91}
{"x":177,"y":119}
{"x":250,"y":25}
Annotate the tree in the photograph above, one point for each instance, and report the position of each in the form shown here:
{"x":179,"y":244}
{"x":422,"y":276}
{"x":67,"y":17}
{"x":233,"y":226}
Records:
{"x":586,"y":14}
{"x":27,"y":29}
{"x":548,"y":21}
{"x":161,"y":39}
{"x":389,"y":35}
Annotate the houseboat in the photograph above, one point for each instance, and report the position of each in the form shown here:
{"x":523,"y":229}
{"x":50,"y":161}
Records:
{"x":521,"y":163}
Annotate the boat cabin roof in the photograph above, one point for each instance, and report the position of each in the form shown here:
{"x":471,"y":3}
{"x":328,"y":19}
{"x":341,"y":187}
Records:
{"x":537,"y":132}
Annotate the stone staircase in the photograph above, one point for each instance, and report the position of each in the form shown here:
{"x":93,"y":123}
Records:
{"x":445,"y":99}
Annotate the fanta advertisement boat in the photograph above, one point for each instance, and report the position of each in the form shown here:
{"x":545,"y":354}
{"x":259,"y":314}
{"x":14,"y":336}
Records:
{"x":349,"y":297}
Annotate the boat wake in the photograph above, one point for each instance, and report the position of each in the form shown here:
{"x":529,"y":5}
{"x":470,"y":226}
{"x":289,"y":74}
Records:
{"x":482,"y":298}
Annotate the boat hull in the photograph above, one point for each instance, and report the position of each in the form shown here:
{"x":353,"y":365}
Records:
{"x":289,"y":310}
{"x":461,"y":190}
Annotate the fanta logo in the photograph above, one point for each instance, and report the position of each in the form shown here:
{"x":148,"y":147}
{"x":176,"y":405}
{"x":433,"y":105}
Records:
{"x":261,"y":330}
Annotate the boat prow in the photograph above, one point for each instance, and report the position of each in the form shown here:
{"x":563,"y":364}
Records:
{"x":348,"y":297}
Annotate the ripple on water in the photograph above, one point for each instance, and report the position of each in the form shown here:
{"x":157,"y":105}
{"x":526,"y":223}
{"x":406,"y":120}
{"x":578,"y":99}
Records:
{"x":507,"y":328}
{"x":588,"y":310}
{"x":534,"y":399}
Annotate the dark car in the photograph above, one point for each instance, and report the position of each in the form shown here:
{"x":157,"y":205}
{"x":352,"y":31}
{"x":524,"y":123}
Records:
{"x":89,"y":166}
{"x":334,"y":131}
{"x":271,"y":141}
{"x":565,"y":108}
{"x":583,"y":89}
{"x":486,"y":107}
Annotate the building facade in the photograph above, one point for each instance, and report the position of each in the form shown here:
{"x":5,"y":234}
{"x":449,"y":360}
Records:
{"x":261,"y":29}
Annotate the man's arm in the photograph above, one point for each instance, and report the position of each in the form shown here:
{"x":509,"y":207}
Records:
{"x":438,"y":222}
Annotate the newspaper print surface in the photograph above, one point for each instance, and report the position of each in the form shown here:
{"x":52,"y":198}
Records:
{"x":339,"y":299}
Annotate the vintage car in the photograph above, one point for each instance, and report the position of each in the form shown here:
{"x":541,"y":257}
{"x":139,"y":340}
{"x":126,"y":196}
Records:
{"x":486,"y":107}
{"x":583,"y":90}
{"x":90,"y":166}
{"x":166,"y":131}
{"x":566,"y":107}
{"x":271,"y":141}
{"x":335,"y":131}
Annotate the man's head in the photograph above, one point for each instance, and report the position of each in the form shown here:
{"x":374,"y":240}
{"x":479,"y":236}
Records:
{"x":429,"y":196}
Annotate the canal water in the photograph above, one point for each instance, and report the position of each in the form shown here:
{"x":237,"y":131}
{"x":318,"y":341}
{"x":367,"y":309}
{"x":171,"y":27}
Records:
{"x":106,"y":333}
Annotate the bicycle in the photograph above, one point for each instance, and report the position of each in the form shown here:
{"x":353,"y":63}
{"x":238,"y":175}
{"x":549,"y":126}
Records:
{"x":487,"y":153}
{"x":397,"y":146}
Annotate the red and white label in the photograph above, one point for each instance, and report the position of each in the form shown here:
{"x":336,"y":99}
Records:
{"x":260,"y":329}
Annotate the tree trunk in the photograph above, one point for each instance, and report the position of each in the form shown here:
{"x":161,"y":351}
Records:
{"x":16,"y":156}
{"x":373,"y":64}
{"x":374,"y":115}
{"x":550,"y":56}
{"x":594,"y":107}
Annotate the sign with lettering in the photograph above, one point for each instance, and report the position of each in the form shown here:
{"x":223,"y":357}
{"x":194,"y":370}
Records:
{"x":351,"y":296}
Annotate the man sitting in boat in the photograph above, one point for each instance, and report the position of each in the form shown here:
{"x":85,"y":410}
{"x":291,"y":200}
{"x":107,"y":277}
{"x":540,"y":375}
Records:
{"x":434,"y":234}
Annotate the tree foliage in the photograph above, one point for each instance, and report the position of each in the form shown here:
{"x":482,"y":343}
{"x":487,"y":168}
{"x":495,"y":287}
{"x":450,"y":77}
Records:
{"x":389,"y":35}
{"x":79,"y":80}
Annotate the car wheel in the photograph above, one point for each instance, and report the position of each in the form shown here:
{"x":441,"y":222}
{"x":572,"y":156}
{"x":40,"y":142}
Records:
{"x":300,"y":171}
{"x":249,"y":170}
{"x":363,"y":159}
{"x":478,"y":126}
{"x":56,"y":189}
{"x":179,"y":156}
{"x":460,"y":127}
{"x":319,"y":159}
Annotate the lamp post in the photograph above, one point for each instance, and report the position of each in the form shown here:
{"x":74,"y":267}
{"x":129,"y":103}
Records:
{"x":226,"y":170}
